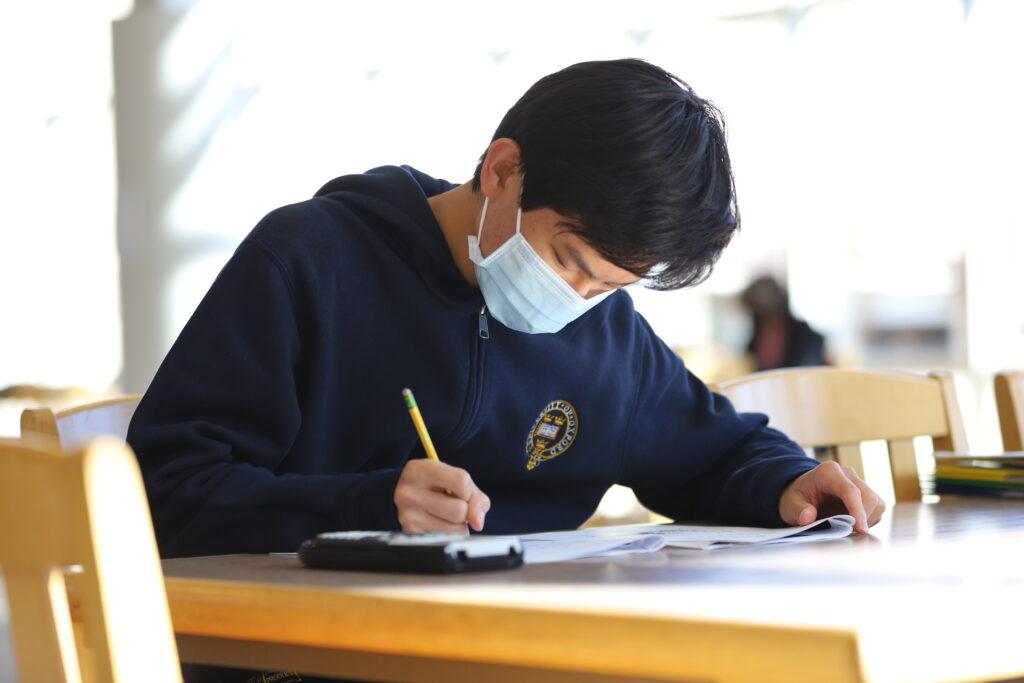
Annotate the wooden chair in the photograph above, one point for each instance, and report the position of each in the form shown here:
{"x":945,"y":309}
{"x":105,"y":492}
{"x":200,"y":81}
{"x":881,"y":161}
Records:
{"x":74,"y":427}
{"x":1010,"y":405}
{"x":85,"y":508}
{"x":838,"y":409}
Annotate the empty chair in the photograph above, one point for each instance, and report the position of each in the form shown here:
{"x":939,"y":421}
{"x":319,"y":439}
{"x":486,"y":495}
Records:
{"x":82,"y":508}
{"x":838,"y":409}
{"x":74,"y":427}
{"x":1010,"y":405}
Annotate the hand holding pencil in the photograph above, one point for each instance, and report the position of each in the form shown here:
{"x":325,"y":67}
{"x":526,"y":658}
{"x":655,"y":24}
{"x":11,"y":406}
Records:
{"x":434,"y":497}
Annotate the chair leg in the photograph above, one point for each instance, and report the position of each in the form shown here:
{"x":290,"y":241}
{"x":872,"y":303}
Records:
{"x":849,"y":455}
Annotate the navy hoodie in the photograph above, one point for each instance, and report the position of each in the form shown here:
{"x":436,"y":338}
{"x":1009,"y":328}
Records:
{"x":278,"y":413}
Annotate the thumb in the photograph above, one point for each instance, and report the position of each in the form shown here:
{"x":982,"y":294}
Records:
{"x":807,"y":515}
{"x":796,"y":507}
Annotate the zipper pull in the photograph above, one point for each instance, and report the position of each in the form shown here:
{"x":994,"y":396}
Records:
{"x":485,"y":333}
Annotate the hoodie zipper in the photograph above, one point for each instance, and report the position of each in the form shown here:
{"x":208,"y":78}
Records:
{"x":485,"y":332}
{"x":475,"y":390}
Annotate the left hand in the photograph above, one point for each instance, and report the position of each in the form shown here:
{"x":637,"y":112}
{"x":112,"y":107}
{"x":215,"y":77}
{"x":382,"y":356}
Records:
{"x":830,"y":489}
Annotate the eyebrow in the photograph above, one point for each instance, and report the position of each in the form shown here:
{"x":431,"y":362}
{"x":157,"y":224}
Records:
{"x":574,"y":254}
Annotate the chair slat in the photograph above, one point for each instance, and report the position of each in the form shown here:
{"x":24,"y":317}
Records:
{"x":836,"y":410}
{"x":906,"y":480}
{"x":44,"y":644}
{"x":825,"y":406}
{"x":1009,"y":388}
{"x":849,"y":455}
{"x":85,"y":508}
{"x":955,"y":438}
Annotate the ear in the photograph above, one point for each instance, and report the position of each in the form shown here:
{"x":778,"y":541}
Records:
{"x":500,"y":171}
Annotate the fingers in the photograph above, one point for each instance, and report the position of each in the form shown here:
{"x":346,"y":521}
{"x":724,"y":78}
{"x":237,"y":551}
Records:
{"x":807,"y":515}
{"x":839,"y":484}
{"x":820,"y":490}
{"x":443,"y":506}
{"x":437,"y":476}
{"x":419,"y":522}
{"x":793,"y":502}
{"x":447,"y":478}
{"x":873,"y":503}
{"x":478,"y":506}
{"x":433,"y":496}
{"x":876,"y":515}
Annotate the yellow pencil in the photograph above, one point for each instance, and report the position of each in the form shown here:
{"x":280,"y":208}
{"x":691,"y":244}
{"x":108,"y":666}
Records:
{"x":421,"y":428}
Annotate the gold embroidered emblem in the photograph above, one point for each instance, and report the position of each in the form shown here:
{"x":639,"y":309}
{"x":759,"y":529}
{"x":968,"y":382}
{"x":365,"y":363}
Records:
{"x":552,"y":433}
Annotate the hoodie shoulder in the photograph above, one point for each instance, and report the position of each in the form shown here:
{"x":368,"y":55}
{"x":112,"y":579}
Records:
{"x":615,"y":320}
{"x":363,"y":226}
{"x":621,"y":312}
{"x":310,"y":226}
{"x":371,"y":182}
{"x":624,"y":317}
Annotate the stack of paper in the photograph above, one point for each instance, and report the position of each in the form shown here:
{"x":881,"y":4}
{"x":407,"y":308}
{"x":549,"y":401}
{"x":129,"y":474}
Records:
{"x":558,"y":546}
{"x":1001,"y":476}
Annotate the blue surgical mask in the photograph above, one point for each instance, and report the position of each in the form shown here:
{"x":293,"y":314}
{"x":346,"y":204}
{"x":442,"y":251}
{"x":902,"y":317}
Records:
{"x":521,"y":290}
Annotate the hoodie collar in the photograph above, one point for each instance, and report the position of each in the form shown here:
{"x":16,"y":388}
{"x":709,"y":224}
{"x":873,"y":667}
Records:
{"x":393,"y":201}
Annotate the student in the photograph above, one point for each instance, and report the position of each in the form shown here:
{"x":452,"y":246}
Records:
{"x":278,"y":412}
{"x":779,"y":338}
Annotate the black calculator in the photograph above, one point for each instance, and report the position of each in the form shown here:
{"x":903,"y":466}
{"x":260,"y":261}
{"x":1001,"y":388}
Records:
{"x":385,"y":551}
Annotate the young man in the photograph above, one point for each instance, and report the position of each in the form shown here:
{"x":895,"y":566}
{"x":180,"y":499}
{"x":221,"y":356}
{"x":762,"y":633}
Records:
{"x":278,"y":412}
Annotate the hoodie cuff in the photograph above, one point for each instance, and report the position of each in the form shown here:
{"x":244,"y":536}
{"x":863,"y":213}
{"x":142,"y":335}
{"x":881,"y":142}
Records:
{"x":369,"y":504}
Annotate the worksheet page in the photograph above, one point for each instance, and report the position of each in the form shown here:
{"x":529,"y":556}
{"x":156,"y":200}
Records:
{"x":559,"y":546}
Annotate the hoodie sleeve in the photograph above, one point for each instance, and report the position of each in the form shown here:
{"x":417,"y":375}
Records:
{"x":691,"y":456}
{"x":222,"y":413}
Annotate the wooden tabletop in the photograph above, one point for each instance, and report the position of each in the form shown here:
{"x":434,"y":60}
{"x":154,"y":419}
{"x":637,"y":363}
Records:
{"x":933,"y":594}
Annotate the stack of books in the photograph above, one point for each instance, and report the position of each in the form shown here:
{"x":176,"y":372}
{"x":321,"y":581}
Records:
{"x":999,"y":476}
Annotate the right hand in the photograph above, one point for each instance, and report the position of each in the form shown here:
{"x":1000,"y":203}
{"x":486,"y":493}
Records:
{"x":423,"y":506}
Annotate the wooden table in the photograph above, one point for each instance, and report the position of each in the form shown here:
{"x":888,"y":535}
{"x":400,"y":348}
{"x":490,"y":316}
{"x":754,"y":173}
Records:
{"x":934,"y":594}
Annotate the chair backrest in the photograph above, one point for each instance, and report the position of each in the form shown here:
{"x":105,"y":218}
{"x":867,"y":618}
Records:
{"x":838,"y":409}
{"x":1010,"y":405}
{"x":85,"y":508}
{"x":74,"y":427}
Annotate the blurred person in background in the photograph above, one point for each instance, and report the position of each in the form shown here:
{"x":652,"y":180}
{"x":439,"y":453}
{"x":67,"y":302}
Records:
{"x":779,"y":339}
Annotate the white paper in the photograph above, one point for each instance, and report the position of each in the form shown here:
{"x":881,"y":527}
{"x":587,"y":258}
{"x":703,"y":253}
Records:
{"x":704,"y":537}
{"x":559,"y":546}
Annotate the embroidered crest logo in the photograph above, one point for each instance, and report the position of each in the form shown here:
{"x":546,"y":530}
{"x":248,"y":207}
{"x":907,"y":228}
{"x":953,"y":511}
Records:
{"x":552,"y":433}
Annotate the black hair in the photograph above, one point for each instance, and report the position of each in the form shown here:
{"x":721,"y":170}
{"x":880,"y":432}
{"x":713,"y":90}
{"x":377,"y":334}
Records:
{"x":635,"y":160}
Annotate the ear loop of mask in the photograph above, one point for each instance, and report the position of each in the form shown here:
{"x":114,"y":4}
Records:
{"x":483,"y":215}
{"x":519,"y":209}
